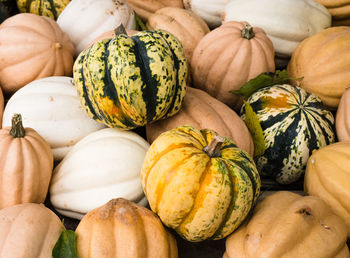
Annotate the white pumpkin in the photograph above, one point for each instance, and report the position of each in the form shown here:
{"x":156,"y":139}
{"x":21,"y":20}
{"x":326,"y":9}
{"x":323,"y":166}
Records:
{"x":104,"y":165}
{"x":286,"y":22}
{"x":51,"y":106}
{"x":84,"y":20}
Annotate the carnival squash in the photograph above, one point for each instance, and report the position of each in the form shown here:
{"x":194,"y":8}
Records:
{"x":339,"y":9}
{"x":48,"y":8}
{"x":342,"y":122}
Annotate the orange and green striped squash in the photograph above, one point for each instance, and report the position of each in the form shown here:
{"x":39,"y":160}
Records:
{"x":200,"y":184}
{"x":48,"y":8}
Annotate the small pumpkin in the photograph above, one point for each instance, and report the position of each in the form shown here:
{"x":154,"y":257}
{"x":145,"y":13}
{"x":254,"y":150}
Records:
{"x":26,"y":164}
{"x":48,"y":8}
{"x":342,"y":122}
{"x":339,"y":9}
{"x":288,"y":225}
{"x":199,"y":183}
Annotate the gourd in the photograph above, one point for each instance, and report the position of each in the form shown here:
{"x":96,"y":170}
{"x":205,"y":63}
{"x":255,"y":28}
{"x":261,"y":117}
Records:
{"x":342,"y":122}
{"x":127,"y":82}
{"x":122,"y":228}
{"x":229,"y":56}
{"x":201,"y":111}
{"x":288,"y":225}
{"x":111,"y":166}
{"x":32,"y":47}
{"x":51,"y":107}
{"x":339,"y":9}
{"x":48,"y":8}
{"x":110,"y":34}
{"x":199,"y":183}
{"x":294,"y":123}
{"x":26,"y":164}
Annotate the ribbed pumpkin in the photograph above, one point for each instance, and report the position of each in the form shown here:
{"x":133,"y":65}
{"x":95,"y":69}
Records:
{"x":32,"y":47}
{"x":294,"y":123}
{"x":328,"y":177}
{"x":323,"y":61}
{"x":121,"y":228}
{"x":201,"y":111}
{"x":128,"y":82}
{"x":199,"y":183}
{"x":48,"y":8}
{"x":288,"y":225}
{"x":26,"y":164}
{"x":342,"y":122}
{"x":229,"y":56}
{"x":339,"y":9}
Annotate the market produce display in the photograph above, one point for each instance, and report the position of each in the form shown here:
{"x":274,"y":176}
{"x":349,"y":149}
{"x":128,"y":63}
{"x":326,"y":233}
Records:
{"x":49,"y":8}
{"x":339,"y":9}
{"x":342,"y":123}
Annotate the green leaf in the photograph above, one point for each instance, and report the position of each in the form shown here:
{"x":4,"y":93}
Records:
{"x":65,"y":246}
{"x":139,"y":23}
{"x":254,"y":127}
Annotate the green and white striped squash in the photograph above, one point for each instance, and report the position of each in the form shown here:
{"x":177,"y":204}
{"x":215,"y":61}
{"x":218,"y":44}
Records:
{"x":294,"y":123}
{"x":127,"y":82}
{"x":48,"y":8}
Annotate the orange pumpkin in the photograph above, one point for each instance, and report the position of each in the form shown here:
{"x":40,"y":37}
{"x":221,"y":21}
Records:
{"x":339,"y":9}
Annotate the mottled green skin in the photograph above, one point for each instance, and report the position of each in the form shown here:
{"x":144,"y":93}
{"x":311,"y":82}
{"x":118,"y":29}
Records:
{"x":128,"y":82}
{"x":49,"y":8}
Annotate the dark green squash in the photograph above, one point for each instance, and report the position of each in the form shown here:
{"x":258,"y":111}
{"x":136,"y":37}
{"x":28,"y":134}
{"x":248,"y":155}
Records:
{"x":49,"y":8}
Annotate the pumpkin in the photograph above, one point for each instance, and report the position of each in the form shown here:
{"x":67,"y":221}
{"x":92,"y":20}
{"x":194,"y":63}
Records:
{"x":243,"y":51}
{"x":294,"y":124}
{"x":200,"y":184}
{"x":51,"y":107}
{"x":127,"y":82}
{"x":111,"y":168}
{"x":2,"y":105}
{"x":26,"y":165}
{"x":28,"y":230}
{"x":201,"y":111}
{"x":342,"y":122}
{"x":286,"y":22}
{"x":328,"y":177}
{"x":110,"y":34}
{"x":188,"y":27}
{"x":323,"y":61}
{"x":32,"y":47}
{"x":339,"y":9}
{"x":84,"y":20}
{"x":49,"y":8}
{"x":288,"y":225}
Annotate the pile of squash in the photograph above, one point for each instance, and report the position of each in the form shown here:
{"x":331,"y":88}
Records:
{"x":147,"y":120}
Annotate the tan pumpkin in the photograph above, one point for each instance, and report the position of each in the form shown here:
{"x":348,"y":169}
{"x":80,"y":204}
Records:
{"x":122,"y":228}
{"x":328,"y":177}
{"x":229,"y":56}
{"x":32,"y":47}
{"x":201,"y":111}
{"x":342,"y":122}
{"x":2,"y":105}
{"x":110,"y":35}
{"x":288,"y":225}
{"x":323,"y":61}
{"x":26,"y":164}
{"x":339,"y":9}
{"x":187,"y":26}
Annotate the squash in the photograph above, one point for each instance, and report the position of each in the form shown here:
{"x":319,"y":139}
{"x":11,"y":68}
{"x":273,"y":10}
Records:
{"x":342,"y":122}
{"x":339,"y":9}
{"x":84,"y":20}
{"x":188,"y":27}
{"x":323,"y":61}
{"x":199,"y":183}
{"x":48,"y":8}
{"x":288,"y":225}
{"x":201,"y":111}
{"x":229,"y":56}
{"x":286,"y":22}
{"x":32,"y":47}
{"x":26,"y":164}
{"x":51,"y":107}
{"x":127,"y":82}
{"x":328,"y":177}
{"x":103,"y":165}
{"x":110,"y":34}
{"x":28,"y":230}
{"x":294,"y":123}
{"x":2,"y":105}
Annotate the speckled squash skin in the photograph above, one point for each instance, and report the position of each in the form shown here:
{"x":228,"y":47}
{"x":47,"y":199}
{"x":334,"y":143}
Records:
{"x":128,"y":82}
{"x":49,"y":8}
{"x":294,"y":123}
{"x":200,"y":196}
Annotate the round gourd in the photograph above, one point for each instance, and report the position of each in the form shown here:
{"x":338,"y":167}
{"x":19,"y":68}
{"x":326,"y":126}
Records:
{"x":286,"y":22}
{"x":26,"y":164}
{"x":48,"y":8}
{"x":201,"y":111}
{"x":199,"y":183}
{"x":339,"y":9}
{"x":103,"y":165}
{"x":127,"y":82}
{"x":51,"y":107}
{"x":32,"y":47}
{"x":84,"y":20}
{"x":288,"y":225}
{"x":229,"y":56}
{"x":323,"y":61}
{"x":328,"y":177}
{"x":28,"y":230}
{"x":294,"y":123}
{"x":342,"y":122}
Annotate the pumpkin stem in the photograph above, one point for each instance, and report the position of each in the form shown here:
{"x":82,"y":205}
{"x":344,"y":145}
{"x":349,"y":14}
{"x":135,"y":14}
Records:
{"x":17,"y":129}
{"x":213,"y":148}
{"x":120,"y":30}
{"x":248,"y":32}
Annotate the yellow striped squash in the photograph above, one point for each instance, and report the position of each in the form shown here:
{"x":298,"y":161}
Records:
{"x":49,"y":8}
